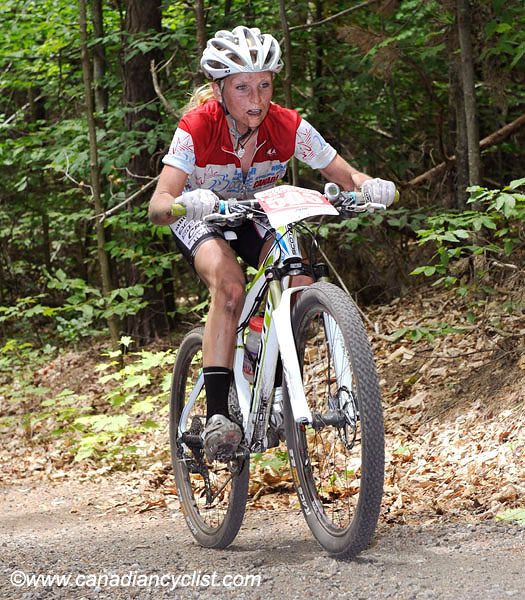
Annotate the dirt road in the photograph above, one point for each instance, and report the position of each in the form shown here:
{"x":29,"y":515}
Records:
{"x":114,"y":552}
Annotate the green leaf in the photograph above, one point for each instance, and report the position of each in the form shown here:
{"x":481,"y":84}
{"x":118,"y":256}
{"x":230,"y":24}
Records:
{"x":126,"y":340}
{"x":137,"y":381}
{"x":83,"y":453}
{"x":516,"y":183}
{"x":508,"y":247}
{"x":513,"y":514}
{"x":143,"y":406}
{"x":450,"y":237}
{"x":398,"y":334}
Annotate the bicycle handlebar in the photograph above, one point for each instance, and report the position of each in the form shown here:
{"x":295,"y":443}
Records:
{"x":347,"y":202}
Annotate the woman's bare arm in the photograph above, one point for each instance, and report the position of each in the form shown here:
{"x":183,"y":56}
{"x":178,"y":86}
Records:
{"x":170,"y":186}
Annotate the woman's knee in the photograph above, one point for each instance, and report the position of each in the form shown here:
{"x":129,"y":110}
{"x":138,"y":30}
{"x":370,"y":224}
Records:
{"x":229,"y":293}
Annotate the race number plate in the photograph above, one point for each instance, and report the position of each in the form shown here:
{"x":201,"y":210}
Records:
{"x":288,"y":204}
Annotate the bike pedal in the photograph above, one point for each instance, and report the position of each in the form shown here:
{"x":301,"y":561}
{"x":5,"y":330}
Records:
{"x":225,"y":452}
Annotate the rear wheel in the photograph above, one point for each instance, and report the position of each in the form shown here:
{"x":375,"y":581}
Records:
{"x":212,"y":494}
{"x":338,"y":462}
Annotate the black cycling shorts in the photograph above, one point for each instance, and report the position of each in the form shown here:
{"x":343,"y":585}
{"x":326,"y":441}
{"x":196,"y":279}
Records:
{"x":247,"y":242}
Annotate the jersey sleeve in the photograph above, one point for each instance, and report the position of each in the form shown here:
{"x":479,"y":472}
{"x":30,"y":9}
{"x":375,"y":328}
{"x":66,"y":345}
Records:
{"x":311,"y":148}
{"x":182,"y":152}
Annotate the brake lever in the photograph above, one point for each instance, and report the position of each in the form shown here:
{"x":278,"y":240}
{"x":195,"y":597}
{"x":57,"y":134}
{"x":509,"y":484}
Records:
{"x":228,"y":216}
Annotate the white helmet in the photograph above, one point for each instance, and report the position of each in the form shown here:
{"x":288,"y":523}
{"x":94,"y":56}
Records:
{"x":243,"y":50}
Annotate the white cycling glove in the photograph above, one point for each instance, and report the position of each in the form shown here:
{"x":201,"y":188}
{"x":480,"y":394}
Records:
{"x":379,"y":190}
{"x":198,"y":203}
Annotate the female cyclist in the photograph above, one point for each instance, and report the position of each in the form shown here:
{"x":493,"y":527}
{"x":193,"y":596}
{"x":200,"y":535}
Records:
{"x":234,"y":142}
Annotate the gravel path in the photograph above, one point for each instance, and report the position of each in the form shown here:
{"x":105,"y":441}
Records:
{"x":120,"y":554}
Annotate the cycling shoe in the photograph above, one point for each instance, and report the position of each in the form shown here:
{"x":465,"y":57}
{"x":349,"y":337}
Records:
{"x":221,"y":437}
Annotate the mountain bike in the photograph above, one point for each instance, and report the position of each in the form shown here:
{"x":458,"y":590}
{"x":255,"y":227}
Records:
{"x":314,"y":386}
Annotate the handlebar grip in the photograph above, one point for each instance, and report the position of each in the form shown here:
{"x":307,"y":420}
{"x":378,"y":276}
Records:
{"x":178,"y":210}
{"x":360,"y":197}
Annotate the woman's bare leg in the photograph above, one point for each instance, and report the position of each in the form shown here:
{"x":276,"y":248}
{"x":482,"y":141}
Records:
{"x":217,"y":266}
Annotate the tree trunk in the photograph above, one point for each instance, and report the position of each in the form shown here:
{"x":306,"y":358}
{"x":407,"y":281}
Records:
{"x":287,"y":81}
{"x":200,"y":23}
{"x":142,"y":114}
{"x":457,"y":125}
{"x":462,"y":148}
{"x":95,"y":171}
{"x":139,"y":92}
{"x":99,"y":58}
{"x":469,"y":93}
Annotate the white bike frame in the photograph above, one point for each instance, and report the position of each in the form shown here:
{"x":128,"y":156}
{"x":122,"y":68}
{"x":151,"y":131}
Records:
{"x":277,"y":337}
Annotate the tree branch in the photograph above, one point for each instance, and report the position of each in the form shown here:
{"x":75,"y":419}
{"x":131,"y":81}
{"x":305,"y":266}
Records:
{"x":490,"y":140}
{"x":333,"y":17}
{"x":159,"y":93}
{"x":21,"y":109}
{"x":105,"y":214}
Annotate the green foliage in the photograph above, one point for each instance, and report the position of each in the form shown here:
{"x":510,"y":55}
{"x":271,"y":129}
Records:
{"x":81,"y":310}
{"x":15,"y":354}
{"x":62,"y":410}
{"x":276,"y":459}
{"x":104,"y":434}
{"x":496,"y":228}
{"x":426,"y":332}
{"x":513,"y":514}
{"x":134,"y":402}
{"x":375,"y":83}
{"x":360,"y":229}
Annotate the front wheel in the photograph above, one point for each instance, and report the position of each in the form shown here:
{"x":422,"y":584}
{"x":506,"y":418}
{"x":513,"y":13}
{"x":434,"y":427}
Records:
{"x":212,"y":495}
{"x":337,"y":462}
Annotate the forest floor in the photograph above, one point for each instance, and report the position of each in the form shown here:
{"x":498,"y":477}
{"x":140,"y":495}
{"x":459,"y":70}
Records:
{"x":454,"y":408}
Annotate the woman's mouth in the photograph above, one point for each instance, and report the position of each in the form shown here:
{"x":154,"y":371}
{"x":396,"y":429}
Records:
{"x":254,"y":112}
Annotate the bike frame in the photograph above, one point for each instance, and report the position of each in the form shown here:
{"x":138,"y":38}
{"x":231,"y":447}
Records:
{"x":277,"y":337}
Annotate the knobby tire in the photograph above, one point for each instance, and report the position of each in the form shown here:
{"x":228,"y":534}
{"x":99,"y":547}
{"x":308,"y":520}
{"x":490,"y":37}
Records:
{"x":215,"y":524}
{"x":338,"y":469}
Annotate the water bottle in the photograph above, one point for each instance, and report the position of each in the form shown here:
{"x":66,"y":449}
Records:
{"x":251,"y":347}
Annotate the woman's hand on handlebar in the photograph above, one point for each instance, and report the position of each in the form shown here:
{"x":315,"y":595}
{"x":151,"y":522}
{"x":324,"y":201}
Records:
{"x":379,"y":191}
{"x":197,"y":203}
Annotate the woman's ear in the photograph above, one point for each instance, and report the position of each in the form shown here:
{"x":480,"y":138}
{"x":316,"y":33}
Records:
{"x":216,"y":91}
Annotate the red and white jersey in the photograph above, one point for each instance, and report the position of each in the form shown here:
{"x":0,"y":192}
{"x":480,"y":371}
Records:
{"x":202,"y":148}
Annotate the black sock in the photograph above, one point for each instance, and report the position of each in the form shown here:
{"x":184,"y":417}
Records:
{"x":279,"y":373}
{"x":217,"y":382}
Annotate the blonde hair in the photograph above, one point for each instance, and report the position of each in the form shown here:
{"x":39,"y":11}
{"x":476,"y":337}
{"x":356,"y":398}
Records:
{"x":199,"y":96}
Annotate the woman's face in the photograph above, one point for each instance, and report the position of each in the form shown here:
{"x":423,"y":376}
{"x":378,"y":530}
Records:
{"x":247,"y":97}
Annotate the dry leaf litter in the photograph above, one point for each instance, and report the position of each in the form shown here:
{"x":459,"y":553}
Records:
{"x":454,"y":412}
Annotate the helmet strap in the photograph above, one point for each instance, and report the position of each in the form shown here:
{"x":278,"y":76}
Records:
{"x":223,"y":102}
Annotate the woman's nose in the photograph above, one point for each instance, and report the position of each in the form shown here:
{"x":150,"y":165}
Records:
{"x":255,"y":96}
